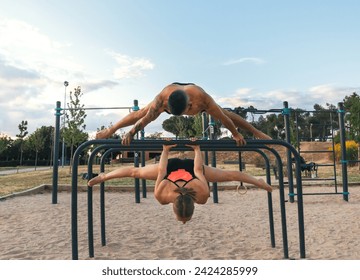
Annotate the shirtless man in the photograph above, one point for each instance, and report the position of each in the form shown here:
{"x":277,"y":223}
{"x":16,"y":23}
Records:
{"x":181,"y":99}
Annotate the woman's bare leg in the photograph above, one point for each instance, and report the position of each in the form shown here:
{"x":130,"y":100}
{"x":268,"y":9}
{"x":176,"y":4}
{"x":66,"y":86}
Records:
{"x":220,"y":175}
{"x":148,"y":172}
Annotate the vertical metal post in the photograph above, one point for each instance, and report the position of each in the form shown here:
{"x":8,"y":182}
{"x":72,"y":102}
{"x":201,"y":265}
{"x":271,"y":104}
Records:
{"x":90,"y":204}
{"x":333,"y":151}
{"x":205,"y":134}
{"x":213,"y":159}
{"x":298,"y":138}
{"x":143,"y":161}
{"x":282,"y":203}
{"x":137,"y":180}
{"x":204,"y":125}
{"x":269,"y":197}
{"x":56,"y":153}
{"x":240,"y":166}
{"x":286,"y":113}
{"x":63,"y":125}
{"x":136,"y":160}
{"x":344,"y":161}
{"x":102,"y":203}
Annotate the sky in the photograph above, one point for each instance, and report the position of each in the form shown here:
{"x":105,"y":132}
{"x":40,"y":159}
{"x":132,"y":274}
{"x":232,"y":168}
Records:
{"x":242,"y":53}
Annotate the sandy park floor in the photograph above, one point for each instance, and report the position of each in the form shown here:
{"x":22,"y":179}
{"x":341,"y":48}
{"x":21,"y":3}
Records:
{"x":235,"y":228}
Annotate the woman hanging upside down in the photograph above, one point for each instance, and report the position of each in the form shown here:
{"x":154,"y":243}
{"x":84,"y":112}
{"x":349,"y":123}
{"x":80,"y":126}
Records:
{"x":182,"y":182}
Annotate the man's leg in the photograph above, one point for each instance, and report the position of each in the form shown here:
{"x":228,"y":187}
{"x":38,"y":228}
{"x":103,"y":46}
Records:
{"x":243,"y":124}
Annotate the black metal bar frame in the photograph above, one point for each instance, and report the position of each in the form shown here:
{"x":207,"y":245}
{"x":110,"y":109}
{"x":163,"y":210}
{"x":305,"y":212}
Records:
{"x":102,"y":198}
{"x":215,"y":145}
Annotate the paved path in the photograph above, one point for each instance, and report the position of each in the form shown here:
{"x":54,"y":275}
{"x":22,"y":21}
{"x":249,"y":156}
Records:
{"x":21,"y":170}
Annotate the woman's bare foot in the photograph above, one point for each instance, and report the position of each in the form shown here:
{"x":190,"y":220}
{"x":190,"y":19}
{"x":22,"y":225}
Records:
{"x":264,"y":185}
{"x":103,"y":134}
{"x":96,"y":180}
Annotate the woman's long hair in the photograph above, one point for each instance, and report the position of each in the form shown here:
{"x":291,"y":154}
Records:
{"x":184,"y":204}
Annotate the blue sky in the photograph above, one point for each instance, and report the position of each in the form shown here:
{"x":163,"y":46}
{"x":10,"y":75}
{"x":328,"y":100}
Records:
{"x":243,"y":53}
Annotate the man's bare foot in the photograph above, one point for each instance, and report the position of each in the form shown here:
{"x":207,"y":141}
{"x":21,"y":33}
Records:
{"x":264,"y":185}
{"x":96,"y":180}
{"x":103,"y":134}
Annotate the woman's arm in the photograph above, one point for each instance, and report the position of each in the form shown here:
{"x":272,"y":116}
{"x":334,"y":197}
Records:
{"x":162,"y":171}
{"x":198,"y":161}
{"x":203,"y":192}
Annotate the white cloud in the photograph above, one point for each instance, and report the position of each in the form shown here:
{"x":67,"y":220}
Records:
{"x":32,"y":70}
{"x":274,"y":99}
{"x":130,"y":67}
{"x":24,"y":46}
{"x":254,"y":60}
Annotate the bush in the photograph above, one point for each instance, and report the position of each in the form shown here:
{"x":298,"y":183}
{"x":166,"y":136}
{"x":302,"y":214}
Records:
{"x":351,"y":150}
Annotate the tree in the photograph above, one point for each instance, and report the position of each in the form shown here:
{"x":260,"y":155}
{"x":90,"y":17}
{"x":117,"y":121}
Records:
{"x":171,"y":125}
{"x":5,"y":144}
{"x":198,"y":126}
{"x":320,"y":121}
{"x":180,"y":126}
{"x":23,"y":132}
{"x":73,"y":132}
{"x":155,"y":135}
{"x":36,"y":142}
{"x":352,"y":105}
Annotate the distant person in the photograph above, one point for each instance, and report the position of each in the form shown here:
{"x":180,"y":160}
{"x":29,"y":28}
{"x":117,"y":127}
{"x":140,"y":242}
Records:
{"x":182,"y":182}
{"x":181,"y":99}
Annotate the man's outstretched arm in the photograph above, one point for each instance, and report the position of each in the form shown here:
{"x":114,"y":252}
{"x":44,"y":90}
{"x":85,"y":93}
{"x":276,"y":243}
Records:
{"x":129,"y":119}
{"x":155,"y":108}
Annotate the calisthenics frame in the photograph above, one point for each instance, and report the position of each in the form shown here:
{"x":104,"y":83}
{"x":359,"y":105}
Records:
{"x":206,"y":145}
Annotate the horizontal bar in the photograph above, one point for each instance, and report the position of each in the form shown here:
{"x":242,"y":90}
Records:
{"x":316,"y":151}
{"x":317,"y":179}
{"x":294,"y":194}
{"x":257,"y":111}
{"x":98,"y":108}
{"x":205,"y":145}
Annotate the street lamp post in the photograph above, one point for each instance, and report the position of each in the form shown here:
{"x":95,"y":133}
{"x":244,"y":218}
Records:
{"x":64,"y":119}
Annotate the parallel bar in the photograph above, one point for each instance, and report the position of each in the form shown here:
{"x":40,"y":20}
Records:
{"x":206,"y":145}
